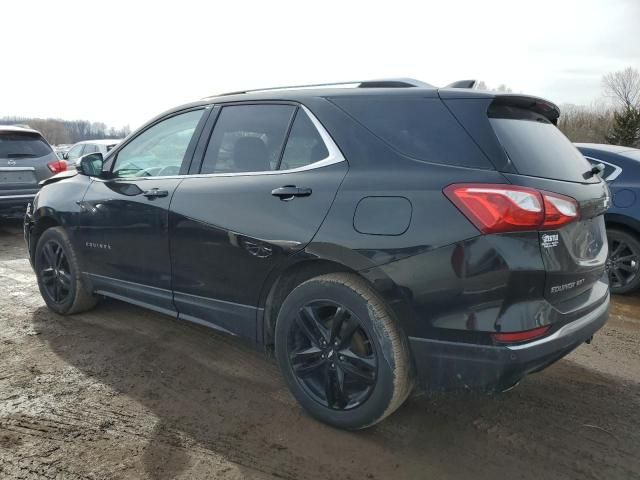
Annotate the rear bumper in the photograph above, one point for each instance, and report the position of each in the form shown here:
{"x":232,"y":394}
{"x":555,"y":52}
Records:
{"x":443,"y":365}
{"x":15,"y":203}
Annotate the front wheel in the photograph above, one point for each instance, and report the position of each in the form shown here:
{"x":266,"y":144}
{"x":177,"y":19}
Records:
{"x":342,"y":355}
{"x":59,"y":276}
{"x":623,"y":264}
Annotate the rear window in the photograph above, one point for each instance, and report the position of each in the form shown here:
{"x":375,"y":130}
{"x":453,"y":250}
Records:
{"x":421,"y":128}
{"x":537,"y":148}
{"x":23,"y":145}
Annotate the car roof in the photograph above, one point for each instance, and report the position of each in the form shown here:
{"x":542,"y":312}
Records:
{"x":400,"y":87}
{"x":603,"y":147}
{"x":16,"y":129}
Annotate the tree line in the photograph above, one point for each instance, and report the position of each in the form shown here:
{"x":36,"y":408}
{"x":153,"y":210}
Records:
{"x":58,"y":131}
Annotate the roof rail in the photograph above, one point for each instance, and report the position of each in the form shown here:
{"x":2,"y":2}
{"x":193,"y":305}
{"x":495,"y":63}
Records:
{"x":382,"y":83}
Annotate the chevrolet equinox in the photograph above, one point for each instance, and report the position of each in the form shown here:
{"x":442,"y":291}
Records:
{"x":378,"y":238}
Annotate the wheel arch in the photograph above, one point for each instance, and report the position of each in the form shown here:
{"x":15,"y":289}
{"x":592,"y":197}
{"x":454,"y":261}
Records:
{"x":41,"y":223}
{"x":623,"y":222}
{"x":285,"y":280}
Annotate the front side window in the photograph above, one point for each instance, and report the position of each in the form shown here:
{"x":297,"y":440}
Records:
{"x":248,"y":138}
{"x":304,"y":145}
{"x":159,"y":150}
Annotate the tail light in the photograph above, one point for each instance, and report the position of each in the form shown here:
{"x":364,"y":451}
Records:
{"x":57,"y":166}
{"x":517,"y":337}
{"x":495,"y":208}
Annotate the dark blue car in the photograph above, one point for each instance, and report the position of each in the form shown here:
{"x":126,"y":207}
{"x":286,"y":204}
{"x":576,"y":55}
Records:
{"x":622,"y":173}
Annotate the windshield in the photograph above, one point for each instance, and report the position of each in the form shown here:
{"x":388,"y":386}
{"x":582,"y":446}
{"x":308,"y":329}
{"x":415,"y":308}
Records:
{"x":20,"y":145}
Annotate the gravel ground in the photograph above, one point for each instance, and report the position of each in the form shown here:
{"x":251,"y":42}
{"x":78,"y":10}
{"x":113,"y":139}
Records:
{"x":120,"y":392}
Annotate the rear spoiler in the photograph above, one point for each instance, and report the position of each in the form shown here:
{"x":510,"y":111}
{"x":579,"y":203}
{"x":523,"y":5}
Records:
{"x":541,"y":106}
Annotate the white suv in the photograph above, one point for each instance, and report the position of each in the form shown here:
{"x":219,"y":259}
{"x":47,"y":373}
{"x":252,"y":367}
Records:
{"x":90,"y":146}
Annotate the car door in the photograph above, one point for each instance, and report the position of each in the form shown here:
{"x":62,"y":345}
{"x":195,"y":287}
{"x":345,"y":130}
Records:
{"x":267,"y":180}
{"x":124,"y":216}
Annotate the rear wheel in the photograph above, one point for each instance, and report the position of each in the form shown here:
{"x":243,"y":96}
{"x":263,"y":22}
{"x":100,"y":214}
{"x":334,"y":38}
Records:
{"x":623,"y":264}
{"x":59,"y":276}
{"x":342,"y":355}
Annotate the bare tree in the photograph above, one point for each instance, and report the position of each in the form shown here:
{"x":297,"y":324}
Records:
{"x":583,"y":123}
{"x":624,"y":87}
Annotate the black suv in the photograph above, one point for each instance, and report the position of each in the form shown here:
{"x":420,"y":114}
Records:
{"x":376,"y":238}
{"x":25,"y":159}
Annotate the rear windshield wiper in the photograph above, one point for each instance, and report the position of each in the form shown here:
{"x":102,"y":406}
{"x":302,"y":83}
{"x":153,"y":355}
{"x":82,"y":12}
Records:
{"x":596,"y":170}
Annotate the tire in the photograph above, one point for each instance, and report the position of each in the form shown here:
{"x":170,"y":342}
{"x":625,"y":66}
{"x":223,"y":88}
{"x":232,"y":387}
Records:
{"x":343,"y":357}
{"x":61,"y":284}
{"x":624,"y":261}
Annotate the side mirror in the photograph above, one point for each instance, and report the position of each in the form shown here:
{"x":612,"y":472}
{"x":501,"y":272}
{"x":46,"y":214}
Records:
{"x":90,"y":164}
{"x":65,"y":156}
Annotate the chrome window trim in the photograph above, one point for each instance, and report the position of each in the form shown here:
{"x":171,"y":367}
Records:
{"x":616,"y":169}
{"x":14,"y":197}
{"x":17,"y":169}
{"x":335,"y":156}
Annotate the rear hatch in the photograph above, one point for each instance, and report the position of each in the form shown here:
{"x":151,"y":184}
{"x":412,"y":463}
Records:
{"x":537,"y":155}
{"x":24,"y":157}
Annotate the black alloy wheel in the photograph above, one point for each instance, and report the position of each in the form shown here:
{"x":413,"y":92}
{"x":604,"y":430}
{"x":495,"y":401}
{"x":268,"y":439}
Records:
{"x":332,"y":356}
{"x":61,"y":285}
{"x":55,"y":272}
{"x":623,"y":264}
{"x":342,"y":354}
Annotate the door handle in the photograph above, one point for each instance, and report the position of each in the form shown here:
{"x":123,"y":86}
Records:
{"x":155,"y":193}
{"x":289,"y":192}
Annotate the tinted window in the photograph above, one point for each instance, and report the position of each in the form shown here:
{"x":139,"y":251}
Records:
{"x":75,"y":152}
{"x":304,"y":145}
{"x":158,"y":150}
{"x":247,"y":138}
{"x":20,"y":145}
{"x":537,"y":148}
{"x":418,"y":127}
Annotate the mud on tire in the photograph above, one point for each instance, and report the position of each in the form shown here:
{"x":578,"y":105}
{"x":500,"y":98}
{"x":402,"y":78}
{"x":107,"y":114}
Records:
{"x":349,"y":366}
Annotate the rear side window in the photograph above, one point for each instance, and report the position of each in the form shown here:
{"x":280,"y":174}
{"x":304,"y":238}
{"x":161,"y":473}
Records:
{"x":248,"y":138}
{"x":304,"y":145}
{"x":537,"y":148}
{"x":21,"y":145}
{"x":421,"y":128}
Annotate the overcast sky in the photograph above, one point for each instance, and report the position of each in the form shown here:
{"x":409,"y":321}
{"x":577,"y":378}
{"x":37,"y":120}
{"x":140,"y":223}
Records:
{"x":124,"y":62}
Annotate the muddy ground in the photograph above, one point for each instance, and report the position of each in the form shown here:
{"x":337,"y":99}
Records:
{"x":120,"y":392}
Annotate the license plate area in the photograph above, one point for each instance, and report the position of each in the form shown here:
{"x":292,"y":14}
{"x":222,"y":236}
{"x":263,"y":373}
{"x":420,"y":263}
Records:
{"x":17,"y":177}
